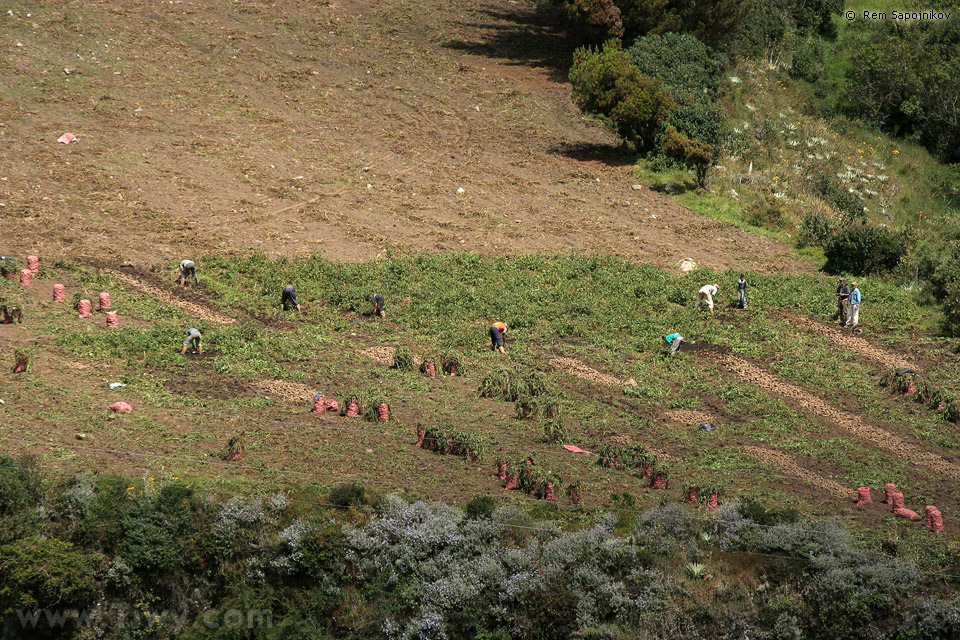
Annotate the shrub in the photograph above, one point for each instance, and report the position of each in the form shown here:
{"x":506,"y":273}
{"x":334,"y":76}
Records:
{"x":606,"y":84}
{"x":480,"y":507}
{"x":403,"y":359}
{"x":37,"y":573}
{"x":815,"y":229}
{"x":681,"y":62}
{"x":864,"y":250}
{"x":766,"y":212}
{"x":808,"y":60}
{"x":690,"y":153}
{"x":351,"y":495}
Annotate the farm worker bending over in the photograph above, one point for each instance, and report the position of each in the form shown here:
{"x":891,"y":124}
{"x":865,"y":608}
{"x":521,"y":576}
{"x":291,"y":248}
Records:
{"x":188,"y":270}
{"x":853,"y":307}
{"x":496,"y":336}
{"x":193,"y":340}
{"x":742,"y":292}
{"x":289,"y":296}
{"x":843,"y":295}
{"x":674,"y":340}
{"x":377,"y":301}
{"x":705,"y":295}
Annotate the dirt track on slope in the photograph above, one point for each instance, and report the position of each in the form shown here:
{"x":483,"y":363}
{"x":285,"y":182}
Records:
{"x":851,"y":342}
{"x":198,"y":311}
{"x":788,"y":466}
{"x":846,"y":421}
{"x":580,"y":370}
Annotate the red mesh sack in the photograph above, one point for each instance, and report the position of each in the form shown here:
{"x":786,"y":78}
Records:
{"x":911,"y":389}
{"x":331,"y":405}
{"x":934,"y":519}
{"x":420,"y":432}
{"x":659,"y":481}
{"x":692,"y":496}
{"x":906,"y":513}
{"x":513,"y":481}
{"x":383,"y":412}
{"x":353,"y":409}
{"x":549,"y":493}
{"x":863,"y":495}
{"x":647,"y":470}
{"x":318,"y":403}
{"x":897,"y":500}
{"x":104,"y":301}
{"x":430,"y":368}
{"x":237,"y":454}
{"x":33,"y":263}
{"x":502,"y":469}
{"x":576,"y":496}
{"x":112,"y":320}
{"x":83,"y":308}
{"x":889,"y":489}
{"x":713,"y":503}
{"x":25,"y":277}
{"x":58,"y":293}
{"x":121,"y":406}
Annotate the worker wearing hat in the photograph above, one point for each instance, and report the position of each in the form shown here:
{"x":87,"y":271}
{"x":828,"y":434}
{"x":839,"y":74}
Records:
{"x":705,"y":295}
{"x":497,"y":331}
{"x":843,"y":296}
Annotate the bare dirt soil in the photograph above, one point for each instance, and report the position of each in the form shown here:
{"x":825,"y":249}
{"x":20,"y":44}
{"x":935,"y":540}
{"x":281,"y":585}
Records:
{"x":297,"y":127}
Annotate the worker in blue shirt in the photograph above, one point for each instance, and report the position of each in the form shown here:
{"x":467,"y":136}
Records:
{"x":674,"y":340}
{"x":853,"y":306}
{"x":742,"y":292}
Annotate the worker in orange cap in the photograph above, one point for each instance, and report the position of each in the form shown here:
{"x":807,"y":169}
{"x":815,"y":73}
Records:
{"x":497,"y":331}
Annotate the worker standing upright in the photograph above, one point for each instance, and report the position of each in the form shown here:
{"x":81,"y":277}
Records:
{"x":706,"y":294}
{"x":188,"y":270}
{"x":843,"y":295}
{"x":289,"y":296}
{"x":377,"y":301}
{"x":853,"y":307}
{"x":497,"y":331}
{"x":742,"y":292}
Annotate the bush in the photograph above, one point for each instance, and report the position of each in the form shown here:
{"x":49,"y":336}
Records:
{"x":808,"y":60}
{"x":480,"y":507}
{"x":606,"y":84}
{"x":351,"y":495}
{"x":864,"y":250}
{"x":36,"y":573}
{"x":815,"y":229}
{"x":691,"y":154}
{"x":403,"y":359}
{"x":681,"y":62}
{"x":766,"y":212}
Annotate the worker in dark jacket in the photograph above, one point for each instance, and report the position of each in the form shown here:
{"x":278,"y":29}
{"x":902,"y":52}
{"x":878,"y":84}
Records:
{"x":188,"y":269}
{"x":843,"y":294}
{"x":289,"y":296}
{"x":377,"y":301}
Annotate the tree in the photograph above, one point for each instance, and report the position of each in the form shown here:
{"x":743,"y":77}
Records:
{"x":690,"y":153}
{"x":864,"y":250}
{"x":606,"y":84}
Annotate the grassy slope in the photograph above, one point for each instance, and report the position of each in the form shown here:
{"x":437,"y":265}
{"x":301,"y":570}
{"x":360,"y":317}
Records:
{"x":776,"y":130}
{"x":559,"y":306}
